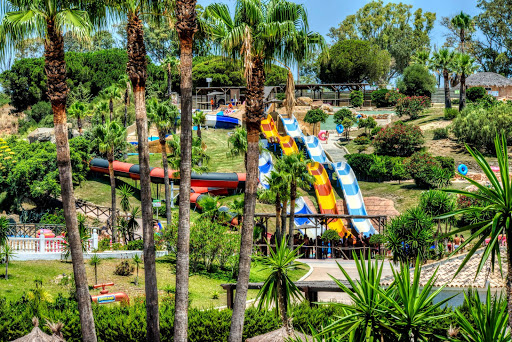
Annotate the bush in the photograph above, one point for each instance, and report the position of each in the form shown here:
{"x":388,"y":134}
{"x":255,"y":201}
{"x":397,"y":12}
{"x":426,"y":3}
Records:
{"x":315,"y":115}
{"x":375,"y":131}
{"x":474,"y":94}
{"x":124,"y":269}
{"x":356,"y":98}
{"x":440,"y":133}
{"x":104,"y":244}
{"x":455,"y":101}
{"x":447,"y":163}
{"x":436,"y":202}
{"x":135,"y":245}
{"x":427,"y":171}
{"x":343,"y":113}
{"x":477,"y":126}
{"x":412,"y":106}
{"x":450,"y":113}
{"x":416,"y":80}
{"x":362,"y":140}
{"x":393,"y":96}
{"x":366,"y":166}
{"x":39,"y":111}
{"x":398,"y":139}
{"x":379,"y":98}
{"x":330,"y":235}
{"x":367,"y":123}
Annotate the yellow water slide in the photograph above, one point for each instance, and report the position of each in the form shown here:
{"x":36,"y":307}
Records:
{"x":269,"y":129}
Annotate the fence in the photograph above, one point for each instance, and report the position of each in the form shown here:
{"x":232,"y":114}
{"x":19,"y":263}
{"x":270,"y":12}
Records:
{"x":47,"y":245}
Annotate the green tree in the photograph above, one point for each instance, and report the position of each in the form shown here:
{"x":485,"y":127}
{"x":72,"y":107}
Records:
{"x":356,"y":98}
{"x":421,"y":57}
{"x":463,"y":22}
{"x":112,"y":93}
{"x":417,"y":81}
{"x":165,"y":117}
{"x":137,"y":261}
{"x":171,"y":63}
{"x":4,"y":230}
{"x":314,"y":116}
{"x":95,"y":261}
{"x":368,"y":123}
{"x":238,"y":142}
{"x":354,"y":61}
{"x":199,"y":119}
{"x":126,"y":193}
{"x":442,"y":62}
{"x":77,"y":110}
{"x":278,"y":193}
{"x":347,"y":125}
{"x":463,"y":65}
{"x":199,"y":159}
{"x":6,"y":254}
{"x":48,"y":20}
{"x":296,"y":166}
{"x":342,"y":114}
{"x":278,"y":290}
{"x":110,"y":136}
{"x":101,"y":108}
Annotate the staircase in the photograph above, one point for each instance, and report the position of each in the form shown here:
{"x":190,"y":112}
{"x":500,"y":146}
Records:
{"x":438,"y":96}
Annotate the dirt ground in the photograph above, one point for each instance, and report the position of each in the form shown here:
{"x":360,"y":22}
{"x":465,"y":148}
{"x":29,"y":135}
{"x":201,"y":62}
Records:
{"x":8,"y":122}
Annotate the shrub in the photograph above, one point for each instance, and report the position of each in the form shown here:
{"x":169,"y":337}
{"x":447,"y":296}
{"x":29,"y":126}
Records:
{"x":367,"y":123}
{"x":366,"y":166}
{"x":104,"y":244}
{"x":436,"y":202}
{"x":477,"y":126}
{"x":343,"y":113}
{"x":135,"y":245}
{"x":379,"y":98}
{"x":39,"y":111}
{"x":375,"y":131}
{"x":356,"y":98}
{"x":447,"y":163}
{"x":314,"y":116}
{"x":124,"y":269}
{"x":393,"y":96}
{"x":398,"y":139}
{"x":440,"y":133}
{"x":56,"y":217}
{"x":455,"y":101}
{"x":474,"y":94}
{"x":487,"y":101}
{"x":330,"y":235}
{"x":412,"y":106}
{"x":427,"y":171}
{"x":362,"y":140}
{"x":450,"y":113}
{"x":416,"y":80}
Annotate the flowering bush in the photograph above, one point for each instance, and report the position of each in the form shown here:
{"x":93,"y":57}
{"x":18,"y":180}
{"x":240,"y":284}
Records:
{"x":412,"y":106}
{"x":362,"y":140}
{"x":427,"y":171}
{"x":393,"y":96}
{"x":398,"y":139}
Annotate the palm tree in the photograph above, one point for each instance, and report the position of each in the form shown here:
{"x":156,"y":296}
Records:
{"x":170,"y":63}
{"x":137,"y":260}
{"x":47,"y":20}
{"x":200,"y":159}
{"x":279,"y":192}
{"x":124,"y":82}
{"x":279,"y":290}
{"x":4,"y":230}
{"x":112,"y":93}
{"x":186,"y":27}
{"x":499,"y":208}
{"x":463,"y":22}
{"x":258,"y":33}
{"x":199,"y":119}
{"x":110,"y":137}
{"x":101,"y":108}
{"x":126,"y":192}
{"x":6,"y":254}
{"x":238,"y":142}
{"x":164,"y":116}
{"x":296,"y":166}
{"x":95,"y":261}
{"x":464,"y":65}
{"x":442,"y":61}
{"x":77,"y":110}
{"x":421,"y":57}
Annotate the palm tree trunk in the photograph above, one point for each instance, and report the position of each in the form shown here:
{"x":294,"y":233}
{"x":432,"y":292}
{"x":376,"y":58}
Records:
{"x":166,"y":178}
{"x":111,"y":108}
{"x":126,"y":103}
{"x":186,"y":27}
{"x":509,"y":280}
{"x":169,"y":80}
{"x":447,"y":100}
{"x":57,"y":90}
{"x":284,"y":212}
{"x":282,"y":303}
{"x":137,"y":71}
{"x":79,"y":123}
{"x":278,"y":217}
{"x":255,"y":113}
{"x":95,"y":274}
{"x":462,"y":103}
{"x":199,"y":131}
{"x":6,"y":267}
{"x":291,"y":224}
{"x":113,"y":194}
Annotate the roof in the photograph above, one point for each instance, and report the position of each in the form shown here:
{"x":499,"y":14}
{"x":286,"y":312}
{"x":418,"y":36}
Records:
{"x":279,"y":335}
{"x":483,"y":79}
{"x":37,"y":335}
{"x":466,"y":278}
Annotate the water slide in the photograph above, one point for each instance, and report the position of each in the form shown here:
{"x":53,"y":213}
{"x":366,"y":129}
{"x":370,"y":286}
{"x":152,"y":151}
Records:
{"x":344,"y":174}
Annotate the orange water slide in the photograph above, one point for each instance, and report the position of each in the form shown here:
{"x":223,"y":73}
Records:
{"x":269,"y":129}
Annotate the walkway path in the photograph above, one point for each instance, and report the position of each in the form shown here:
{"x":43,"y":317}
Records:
{"x":337,"y":154}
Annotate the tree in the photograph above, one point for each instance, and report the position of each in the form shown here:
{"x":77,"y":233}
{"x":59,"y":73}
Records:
{"x":464,"y":65}
{"x":392,"y":26}
{"x":314,"y":116}
{"x":442,"y":61}
{"x":171,"y":63}
{"x":186,"y":26}
{"x":354,"y":61}
{"x":278,"y":290}
{"x":126,"y":192}
{"x":94,"y":261}
{"x":110,"y":136}
{"x":278,"y":193}
{"x":124,"y":83}
{"x":421,"y":57}
{"x":77,"y":110}
{"x":112,"y":93}
{"x":48,"y":20}
{"x":417,"y":81}
{"x":258,"y":33}
{"x":164,"y":116}
{"x":463,"y":22}
{"x":137,"y":260}
{"x":347,"y":125}
{"x":343,"y":113}
{"x":199,"y":119}
{"x":368,"y":123}
{"x":498,"y":199}
{"x":6,"y":254}
{"x":199,"y":159}
{"x":238,"y":142}
{"x":296,"y":166}
{"x":4,"y":230}
{"x":101,"y":108}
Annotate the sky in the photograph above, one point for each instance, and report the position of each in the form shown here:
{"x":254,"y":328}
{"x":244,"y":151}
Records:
{"x":324,"y":14}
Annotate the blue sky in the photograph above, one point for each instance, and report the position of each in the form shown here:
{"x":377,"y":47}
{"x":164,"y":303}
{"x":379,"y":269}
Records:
{"x":323,"y":14}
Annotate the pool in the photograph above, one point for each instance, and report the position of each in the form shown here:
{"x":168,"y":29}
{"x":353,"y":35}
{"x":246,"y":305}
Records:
{"x":330,"y":125}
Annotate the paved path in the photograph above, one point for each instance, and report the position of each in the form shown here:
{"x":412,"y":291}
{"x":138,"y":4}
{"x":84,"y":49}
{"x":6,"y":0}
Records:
{"x":337,"y":154}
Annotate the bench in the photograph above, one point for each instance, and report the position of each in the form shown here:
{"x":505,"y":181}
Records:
{"x":310,"y":289}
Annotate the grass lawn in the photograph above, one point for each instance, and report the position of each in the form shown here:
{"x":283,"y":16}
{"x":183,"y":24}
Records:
{"x":202,"y":288}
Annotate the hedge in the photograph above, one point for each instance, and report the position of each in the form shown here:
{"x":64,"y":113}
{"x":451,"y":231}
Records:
{"x":363,"y":164}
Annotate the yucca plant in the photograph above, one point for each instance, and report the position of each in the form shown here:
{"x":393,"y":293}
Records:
{"x":126,"y":192}
{"x":94,"y":261}
{"x":137,"y":260}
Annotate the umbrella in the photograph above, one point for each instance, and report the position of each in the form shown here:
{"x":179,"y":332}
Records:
{"x":37,"y":335}
{"x":280,"y":335}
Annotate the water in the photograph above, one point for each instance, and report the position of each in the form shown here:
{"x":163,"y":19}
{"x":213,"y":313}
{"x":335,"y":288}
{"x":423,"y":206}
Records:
{"x":330,"y":125}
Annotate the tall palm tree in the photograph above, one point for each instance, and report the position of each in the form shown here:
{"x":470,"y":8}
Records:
{"x":124,"y":83}
{"x":296,"y":166}
{"x":186,"y":27}
{"x":199,"y":119}
{"x":164,"y":116}
{"x":101,"y":108}
{"x":421,"y":57}
{"x":110,"y":137}
{"x":464,"y":65}
{"x":258,"y":33}
{"x":47,"y":20}
{"x":498,"y":199}
{"x":238,"y":142}
{"x":112,"y":93}
{"x":170,"y":62}
{"x":77,"y":110}
{"x":442,"y":61}
{"x":463,"y":22}
{"x":278,"y":191}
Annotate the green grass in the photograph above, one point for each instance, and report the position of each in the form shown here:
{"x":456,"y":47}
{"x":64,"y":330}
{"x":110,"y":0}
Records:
{"x":202,"y":288}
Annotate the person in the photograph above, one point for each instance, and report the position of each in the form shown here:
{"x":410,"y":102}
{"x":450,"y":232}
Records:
{"x":326,"y":137}
{"x":212,"y":103}
{"x":456,"y":242}
{"x":462,"y":240}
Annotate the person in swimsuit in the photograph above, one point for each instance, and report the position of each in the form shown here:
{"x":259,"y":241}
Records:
{"x":456,"y":242}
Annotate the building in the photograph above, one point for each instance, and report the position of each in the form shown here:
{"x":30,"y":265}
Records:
{"x":496,"y":85}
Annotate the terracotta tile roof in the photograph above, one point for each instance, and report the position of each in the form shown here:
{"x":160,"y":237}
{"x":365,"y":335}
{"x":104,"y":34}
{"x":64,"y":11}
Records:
{"x":466,"y":277}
